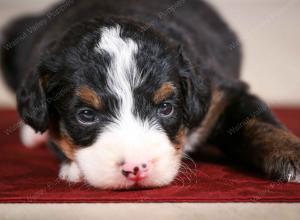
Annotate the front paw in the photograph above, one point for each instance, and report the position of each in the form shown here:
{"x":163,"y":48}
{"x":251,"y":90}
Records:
{"x":284,"y":164}
{"x":30,"y":138}
{"x":70,"y":172}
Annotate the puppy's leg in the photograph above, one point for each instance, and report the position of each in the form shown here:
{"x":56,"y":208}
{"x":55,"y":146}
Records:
{"x":249,"y":132}
{"x":70,"y":172}
{"x":30,"y":138}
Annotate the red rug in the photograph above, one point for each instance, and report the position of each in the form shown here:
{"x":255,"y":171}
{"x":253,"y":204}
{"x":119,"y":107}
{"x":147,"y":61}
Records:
{"x":30,"y":176}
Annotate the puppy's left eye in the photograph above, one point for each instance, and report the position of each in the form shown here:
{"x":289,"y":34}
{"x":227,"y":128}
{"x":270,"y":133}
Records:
{"x":165,"y":109}
{"x":87,"y":116}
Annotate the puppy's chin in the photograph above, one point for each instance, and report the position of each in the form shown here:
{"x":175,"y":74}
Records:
{"x":101,"y":164}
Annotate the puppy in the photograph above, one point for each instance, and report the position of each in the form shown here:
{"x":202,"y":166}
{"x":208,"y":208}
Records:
{"x":124,"y":88}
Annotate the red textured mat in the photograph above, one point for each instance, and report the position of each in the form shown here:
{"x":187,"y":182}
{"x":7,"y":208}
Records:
{"x":30,"y":176}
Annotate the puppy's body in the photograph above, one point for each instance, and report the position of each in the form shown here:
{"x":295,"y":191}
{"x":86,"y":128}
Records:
{"x":123,"y":87}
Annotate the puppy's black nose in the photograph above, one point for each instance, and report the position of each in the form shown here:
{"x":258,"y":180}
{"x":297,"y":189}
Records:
{"x":134,"y":171}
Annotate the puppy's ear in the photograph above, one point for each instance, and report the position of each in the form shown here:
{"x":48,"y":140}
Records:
{"x":196,"y":92}
{"x":32,"y":103}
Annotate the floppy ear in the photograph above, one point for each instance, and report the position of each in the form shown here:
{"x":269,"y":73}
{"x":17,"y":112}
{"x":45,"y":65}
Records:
{"x":32,"y":103}
{"x":196,"y":92}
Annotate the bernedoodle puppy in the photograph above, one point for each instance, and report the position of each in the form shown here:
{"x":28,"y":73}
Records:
{"x":123,"y":89}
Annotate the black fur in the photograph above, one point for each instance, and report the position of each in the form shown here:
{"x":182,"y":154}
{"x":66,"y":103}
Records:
{"x":184,"y":42}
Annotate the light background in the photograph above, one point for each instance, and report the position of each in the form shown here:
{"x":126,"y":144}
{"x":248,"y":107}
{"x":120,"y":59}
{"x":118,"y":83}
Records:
{"x":268,"y":29}
{"x":270,"y":32}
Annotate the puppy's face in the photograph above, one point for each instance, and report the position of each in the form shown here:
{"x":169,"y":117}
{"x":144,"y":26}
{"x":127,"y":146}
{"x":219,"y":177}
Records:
{"x":122,"y":116}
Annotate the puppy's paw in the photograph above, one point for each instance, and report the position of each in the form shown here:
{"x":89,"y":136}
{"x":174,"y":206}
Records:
{"x":30,"y":138}
{"x":70,"y":172}
{"x":285,"y":164}
{"x":297,"y":179}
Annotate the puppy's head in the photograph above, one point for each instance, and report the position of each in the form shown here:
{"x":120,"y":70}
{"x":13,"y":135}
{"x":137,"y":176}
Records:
{"x":118,"y":100}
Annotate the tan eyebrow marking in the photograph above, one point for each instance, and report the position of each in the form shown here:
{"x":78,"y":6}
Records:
{"x":163,"y":92}
{"x":90,"y":97}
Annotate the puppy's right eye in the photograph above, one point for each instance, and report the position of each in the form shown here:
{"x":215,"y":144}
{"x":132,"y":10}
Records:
{"x":87,"y":116}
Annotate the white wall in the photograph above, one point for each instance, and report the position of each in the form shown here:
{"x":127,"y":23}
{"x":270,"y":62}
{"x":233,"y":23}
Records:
{"x":268,"y":29}
{"x":270,"y":33}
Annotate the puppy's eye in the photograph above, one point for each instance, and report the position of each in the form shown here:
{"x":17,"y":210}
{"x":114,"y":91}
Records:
{"x":165,"y":109}
{"x":87,"y":116}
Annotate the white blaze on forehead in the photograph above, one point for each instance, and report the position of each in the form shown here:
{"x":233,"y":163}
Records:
{"x":122,"y":78}
{"x":122,"y":73}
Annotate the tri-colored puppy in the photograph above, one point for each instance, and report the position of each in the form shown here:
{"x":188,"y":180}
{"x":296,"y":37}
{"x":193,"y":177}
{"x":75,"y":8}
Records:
{"x":123,"y":88}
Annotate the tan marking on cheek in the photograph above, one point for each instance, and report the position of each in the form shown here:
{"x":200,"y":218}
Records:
{"x":90,"y":97}
{"x":63,"y":141}
{"x":164,"y":92}
{"x":180,"y":140}
{"x":67,"y":146}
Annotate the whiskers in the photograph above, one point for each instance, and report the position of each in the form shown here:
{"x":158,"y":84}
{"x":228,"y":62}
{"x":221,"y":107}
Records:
{"x":187,"y":173}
